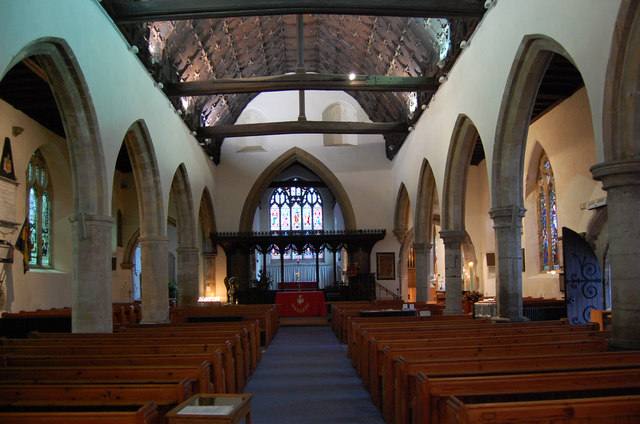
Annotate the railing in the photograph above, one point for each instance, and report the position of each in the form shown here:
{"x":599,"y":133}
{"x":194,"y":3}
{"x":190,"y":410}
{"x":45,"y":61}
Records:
{"x":388,"y":292}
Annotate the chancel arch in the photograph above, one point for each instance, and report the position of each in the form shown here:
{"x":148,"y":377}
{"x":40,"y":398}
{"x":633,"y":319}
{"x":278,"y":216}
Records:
{"x":90,"y":220}
{"x":187,"y":253}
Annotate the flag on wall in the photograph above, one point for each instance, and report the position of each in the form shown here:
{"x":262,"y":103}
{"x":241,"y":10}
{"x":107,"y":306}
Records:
{"x":23,"y":244}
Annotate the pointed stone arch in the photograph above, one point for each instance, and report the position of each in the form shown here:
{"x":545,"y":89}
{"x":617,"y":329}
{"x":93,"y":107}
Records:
{"x":292,"y":156}
{"x":463,"y":141}
{"x":206,"y":218}
{"x":91,"y":220}
{"x":187,"y":253}
{"x":153,"y":224}
{"x":507,"y":175}
{"x":423,"y":229}
{"x":620,"y":173}
{"x":402,"y":218}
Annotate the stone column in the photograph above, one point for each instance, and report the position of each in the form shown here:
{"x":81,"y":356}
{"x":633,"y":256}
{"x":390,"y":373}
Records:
{"x":209,"y":274}
{"x":423,"y":252}
{"x":507,"y":223}
{"x":154,"y":285}
{"x":453,"y":270}
{"x":91,"y":299}
{"x":621,"y":180}
{"x":187,"y":276}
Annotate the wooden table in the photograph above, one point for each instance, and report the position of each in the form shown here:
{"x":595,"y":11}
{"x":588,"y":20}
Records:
{"x":212,"y":408}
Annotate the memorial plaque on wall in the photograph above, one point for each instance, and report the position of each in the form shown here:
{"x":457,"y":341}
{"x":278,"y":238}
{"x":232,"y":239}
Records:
{"x":8,"y":187}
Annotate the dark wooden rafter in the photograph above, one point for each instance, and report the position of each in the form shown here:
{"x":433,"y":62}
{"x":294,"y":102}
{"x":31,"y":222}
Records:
{"x":171,"y":10}
{"x":302,"y":82}
{"x":303,"y":127}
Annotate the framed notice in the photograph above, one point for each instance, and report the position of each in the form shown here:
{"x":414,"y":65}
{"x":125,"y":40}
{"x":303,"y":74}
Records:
{"x":385,"y":266}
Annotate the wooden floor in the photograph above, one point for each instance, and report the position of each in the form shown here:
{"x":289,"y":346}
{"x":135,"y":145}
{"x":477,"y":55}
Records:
{"x":303,"y":321}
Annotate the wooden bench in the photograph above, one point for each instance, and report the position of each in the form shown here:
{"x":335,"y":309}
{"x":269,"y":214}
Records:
{"x":165,"y":396}
{"x":150,"y":360}
{"x":432,"y":393}
{"x":405,"y":378}
{"x":611,"y":409}
{"x":199,"y":376}
{"x":371,"y":359}
{"x":81,"y":414}
{"x":201,"y":330}
{"x":241,"y":352}
{"x":428,"y":354}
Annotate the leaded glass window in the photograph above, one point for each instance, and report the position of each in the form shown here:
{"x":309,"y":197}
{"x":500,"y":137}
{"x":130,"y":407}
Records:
{"x":295,"y":209}
{"x":547,"y":217}
{"x":39,"y":204}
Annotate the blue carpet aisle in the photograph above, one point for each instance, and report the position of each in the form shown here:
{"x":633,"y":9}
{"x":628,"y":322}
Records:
{"x":305,"y":377}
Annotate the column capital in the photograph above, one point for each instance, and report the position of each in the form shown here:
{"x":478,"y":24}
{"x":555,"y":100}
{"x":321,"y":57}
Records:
{"x":422,"y":247}
{"x":618,"y":173}
{"x":153,"y":238}
{"x":507,"y":216}
{"x":209,"y":255}
{"x":400,"y":233}
{"x":450,"y":236}
{"x":104,"y":220}
{"x":187,"y":249}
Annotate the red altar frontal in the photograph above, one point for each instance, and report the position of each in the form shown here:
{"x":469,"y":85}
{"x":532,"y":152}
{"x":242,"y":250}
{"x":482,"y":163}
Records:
{"x":296,"y":304}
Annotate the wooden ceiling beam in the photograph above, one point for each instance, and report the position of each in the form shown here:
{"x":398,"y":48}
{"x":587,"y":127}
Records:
{"x":302,"y":127}
{"x":171,"y":10}
{"x":301,"y":82}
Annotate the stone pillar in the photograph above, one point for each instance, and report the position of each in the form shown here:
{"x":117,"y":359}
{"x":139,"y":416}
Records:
{"x":423,"y":270}
{"x":621,"y":180}
{"x":452,"y":240}
{"x":154,"y":285}
{"x":187,"y":275}
{"x":209,"y":274}
{"x":91,"y":299}
{"x":507,"y":223}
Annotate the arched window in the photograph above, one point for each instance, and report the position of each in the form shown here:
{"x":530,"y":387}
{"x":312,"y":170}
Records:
{"x":547,"y":217}
{"x":39,"y":206}
{"x":295,"y":209}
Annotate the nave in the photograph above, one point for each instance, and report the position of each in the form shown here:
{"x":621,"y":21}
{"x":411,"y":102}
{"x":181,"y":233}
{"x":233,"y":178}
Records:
{"x":306,"y":377}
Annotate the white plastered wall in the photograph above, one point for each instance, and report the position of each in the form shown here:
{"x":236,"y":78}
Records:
{"x":120,"y":89}
{"x":477,"y":82}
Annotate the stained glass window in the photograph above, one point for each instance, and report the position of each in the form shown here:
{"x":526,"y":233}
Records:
{"x":39,"y":204}
{"x":547,"y":217}
{"x":297,"y":209}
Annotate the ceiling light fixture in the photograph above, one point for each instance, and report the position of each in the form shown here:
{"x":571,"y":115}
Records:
{"x":464,"y":44}
{"x":352,"y":76}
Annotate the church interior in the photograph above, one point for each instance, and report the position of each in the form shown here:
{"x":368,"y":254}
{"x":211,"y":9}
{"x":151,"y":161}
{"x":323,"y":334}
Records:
{"x":437,"y":185}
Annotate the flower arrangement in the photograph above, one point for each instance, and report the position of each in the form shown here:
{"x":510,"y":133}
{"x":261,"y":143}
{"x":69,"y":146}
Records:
{"x":471,"y":296}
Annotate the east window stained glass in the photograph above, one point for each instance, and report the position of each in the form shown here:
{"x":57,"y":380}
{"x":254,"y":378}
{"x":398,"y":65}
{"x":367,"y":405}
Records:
{"x":39,"y":204}
{"x":295,"y":209}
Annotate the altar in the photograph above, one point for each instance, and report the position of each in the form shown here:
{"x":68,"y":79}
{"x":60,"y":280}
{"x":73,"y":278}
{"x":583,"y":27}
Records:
{"x":301,"y":303}
{"x":298,"y":286}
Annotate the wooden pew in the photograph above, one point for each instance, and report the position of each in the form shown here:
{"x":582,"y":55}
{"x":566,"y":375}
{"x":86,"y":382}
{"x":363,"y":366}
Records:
{"x":405,"y":379}
{"x":428,"y":354}
{"x":151,"y":360}
{"x":433,"y":393}
{"x":240,"y":348}
{"x":371,"y":360}
{"x":198,"y":329}
{"x":199,"y":376}
{"x":491,"y":339}
{"x":81,"y":414}
{"x":165,"y":396}
{"x":611,"y":409}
